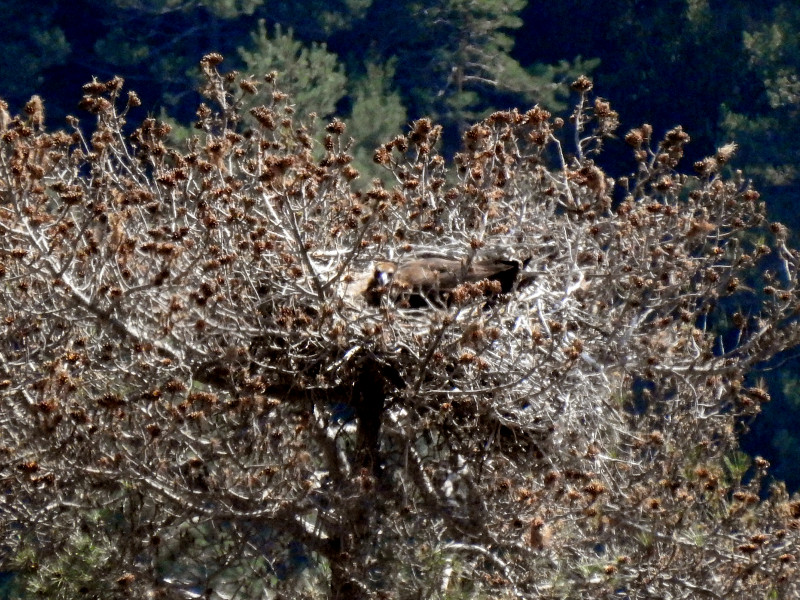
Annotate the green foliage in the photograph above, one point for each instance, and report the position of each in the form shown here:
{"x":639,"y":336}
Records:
{"x":377,"y":114}
{"x":463,"y":48}
{"x":769,"y":136}
{"x":545,"y":80}
{"x":774,"y":50}
{"x":321,"y":19}
{"x":224,"y":9}
{"x":768,"y":147}
{"x":698,"y":13}
{"x":791,"y":389}
{"x":72,"y":574}
{"x":150,"y":6}
{"x":231,"y":9}
{"x":736,"y":464}
{"x":119,"y":49}
{"x":31,"y":43}
{"x":311,"y":74}
{"x":452,"y":59}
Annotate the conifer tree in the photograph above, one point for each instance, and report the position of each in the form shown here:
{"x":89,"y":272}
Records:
{"x":311,"y":74}
{"x":31,"y":43}
{"x":197,"y":398}
{"x":377,"y":113}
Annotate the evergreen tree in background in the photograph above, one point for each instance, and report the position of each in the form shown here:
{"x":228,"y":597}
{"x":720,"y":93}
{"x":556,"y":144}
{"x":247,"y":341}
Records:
{"x":768,"y":134}
{"x":31,"y":41}
{"x":450,"y":59}
{"x":312,"y":75}
{"x":455,"y":60}
{"x":377,"y":109}
{"x":315,"y":20}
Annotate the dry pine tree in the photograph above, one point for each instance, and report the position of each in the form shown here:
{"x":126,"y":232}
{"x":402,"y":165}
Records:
{"x":198,"y":398}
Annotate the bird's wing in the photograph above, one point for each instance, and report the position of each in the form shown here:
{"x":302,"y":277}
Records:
{"x":430,"y":274}
{"x":490,"y":268}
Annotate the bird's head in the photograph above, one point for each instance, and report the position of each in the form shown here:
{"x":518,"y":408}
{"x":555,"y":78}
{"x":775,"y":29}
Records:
{"x":384,"y":273}
{"x":379,"y":281}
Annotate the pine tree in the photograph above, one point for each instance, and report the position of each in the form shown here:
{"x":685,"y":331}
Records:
{"x":377,"y":115}
{"x":31,"y":42}
{"x":768,"y":133}
{"x":210,"y":385}
{"x":768,"y":137}
{"x":311,"y":74}
{"x":456,"y":63}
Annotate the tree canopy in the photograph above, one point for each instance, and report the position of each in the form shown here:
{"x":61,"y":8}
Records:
{"x":196,"y":399}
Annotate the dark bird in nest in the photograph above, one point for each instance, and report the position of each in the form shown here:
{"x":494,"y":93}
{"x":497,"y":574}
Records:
{"x":429,"y":281}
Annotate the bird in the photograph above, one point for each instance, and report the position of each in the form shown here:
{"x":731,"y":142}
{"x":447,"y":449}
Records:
{"x":429,"y":281}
